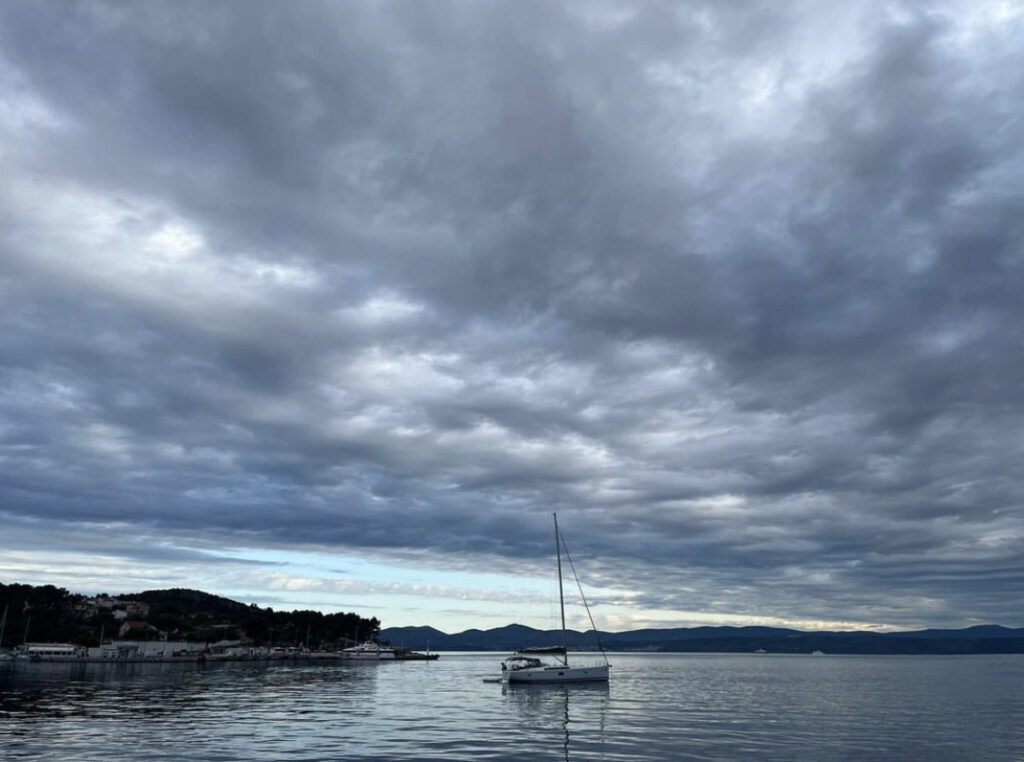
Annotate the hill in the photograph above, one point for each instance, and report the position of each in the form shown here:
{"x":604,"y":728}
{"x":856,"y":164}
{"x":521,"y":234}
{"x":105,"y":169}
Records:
{"x":982,"y":639}
{"x":49,"y":613}
{"x":193,"y":600}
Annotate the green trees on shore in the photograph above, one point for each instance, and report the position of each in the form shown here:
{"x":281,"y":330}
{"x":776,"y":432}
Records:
{"x":48,"y":613}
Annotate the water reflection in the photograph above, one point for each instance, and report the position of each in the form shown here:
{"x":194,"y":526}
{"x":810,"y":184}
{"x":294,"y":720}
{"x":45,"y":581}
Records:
{"x":38,"y":692}
{"x":575,"y":715}
{"x":687,"y":707}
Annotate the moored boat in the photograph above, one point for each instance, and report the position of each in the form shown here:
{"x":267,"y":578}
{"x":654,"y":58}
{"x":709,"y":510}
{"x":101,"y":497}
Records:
{"x":525,"y":666}
{"x":369,"y":651}
{"x":50,"y":652}
{"x":404,"y":654}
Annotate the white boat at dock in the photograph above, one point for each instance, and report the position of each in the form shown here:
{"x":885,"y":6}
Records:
{"x":368,"y":651}
{"x":50,"y":652}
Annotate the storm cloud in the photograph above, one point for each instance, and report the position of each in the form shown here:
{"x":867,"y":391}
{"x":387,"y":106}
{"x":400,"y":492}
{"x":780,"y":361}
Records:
{"x":734,"y":288}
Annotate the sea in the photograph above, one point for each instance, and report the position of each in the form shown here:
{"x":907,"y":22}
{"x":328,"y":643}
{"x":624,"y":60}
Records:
{"x":655,"y":707}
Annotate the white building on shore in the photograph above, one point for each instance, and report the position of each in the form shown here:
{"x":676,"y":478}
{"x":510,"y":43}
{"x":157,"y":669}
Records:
{"x":133,"y":649}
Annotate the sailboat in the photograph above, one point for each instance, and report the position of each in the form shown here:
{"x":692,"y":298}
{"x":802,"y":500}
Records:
{"x":525,"y":666}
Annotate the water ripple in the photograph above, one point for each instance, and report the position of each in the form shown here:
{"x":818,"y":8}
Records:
{"x":685,"y":707}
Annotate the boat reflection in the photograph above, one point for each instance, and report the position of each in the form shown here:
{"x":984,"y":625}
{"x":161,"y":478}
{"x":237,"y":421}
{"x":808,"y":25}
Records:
{"x":574,"y":715}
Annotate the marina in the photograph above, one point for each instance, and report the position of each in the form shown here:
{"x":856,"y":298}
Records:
{"x":134,"y":653}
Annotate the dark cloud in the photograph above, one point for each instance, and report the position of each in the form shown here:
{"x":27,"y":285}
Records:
{"x":734,"y":289}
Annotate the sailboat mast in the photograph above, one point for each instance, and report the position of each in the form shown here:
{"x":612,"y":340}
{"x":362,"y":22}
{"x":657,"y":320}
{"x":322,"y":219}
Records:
{"x":561,"y":596}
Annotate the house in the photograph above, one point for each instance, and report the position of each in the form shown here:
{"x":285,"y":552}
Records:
{"x":86,"y":608}
{"x":136,"y":625}
{"x":137,"y":609}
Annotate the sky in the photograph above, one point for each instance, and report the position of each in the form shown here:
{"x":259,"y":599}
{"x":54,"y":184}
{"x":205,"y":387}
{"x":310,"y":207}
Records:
{"x":332,"y":305}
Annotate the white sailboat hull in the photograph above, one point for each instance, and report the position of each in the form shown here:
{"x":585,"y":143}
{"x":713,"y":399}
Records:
{"x":595,"y":674}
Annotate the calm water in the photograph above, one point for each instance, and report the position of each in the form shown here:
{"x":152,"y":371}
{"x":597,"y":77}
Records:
{"x":678,"y":706}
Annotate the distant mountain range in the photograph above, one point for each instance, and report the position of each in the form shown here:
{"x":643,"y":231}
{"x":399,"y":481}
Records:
{"x":982,"y":639}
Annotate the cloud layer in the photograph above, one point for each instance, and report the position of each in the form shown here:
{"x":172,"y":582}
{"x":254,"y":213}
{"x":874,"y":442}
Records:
{"x":736,"y":290}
